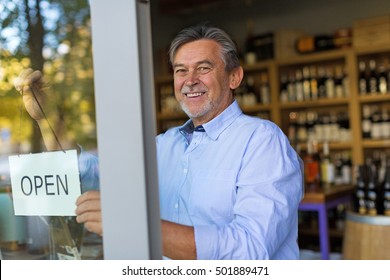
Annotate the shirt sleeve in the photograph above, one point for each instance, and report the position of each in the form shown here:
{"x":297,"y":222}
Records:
{"x":89,"y":171}
{"x":269,"y":189}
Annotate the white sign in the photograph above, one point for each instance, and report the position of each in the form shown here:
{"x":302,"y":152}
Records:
{"x":46,"y":184}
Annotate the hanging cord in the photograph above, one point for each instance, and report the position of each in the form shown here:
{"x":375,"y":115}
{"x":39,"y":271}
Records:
{"x":44,"y":115}
{"x":20,"y":122}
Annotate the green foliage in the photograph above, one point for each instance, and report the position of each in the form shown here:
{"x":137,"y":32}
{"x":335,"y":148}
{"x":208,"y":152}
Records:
{"x":67,"y":65}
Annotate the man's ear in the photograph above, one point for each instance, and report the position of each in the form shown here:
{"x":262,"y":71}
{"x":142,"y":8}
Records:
{"x":235,"y":77}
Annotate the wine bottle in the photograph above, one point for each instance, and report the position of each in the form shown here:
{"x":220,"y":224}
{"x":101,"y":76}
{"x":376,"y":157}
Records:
{"x":329,"y":83}
{"x":250,"y":96}
{"x":308,"y":44}
{"x":385,"y":123}
{"x":376,"y":128}
{"x":382,"y":80}
{"x":359,"y":199}
{"x":292,"y":95}
{"x":293,"y":128}
{"x":299,"y":85}
{"x":386,"y":193}
{"x":372,"y":193}
{"x":366,"y":122}
{"x":346,"y":83}
{"x":302,"y":129}
{"x":313,"y":83}
{"x":306,"y":83}
{"x":283,"y":88}
{"x":327,"y":167}
{"x":312,"y":166}
{"x":321,"y":82}
{"x":264,"y":89}
{"x":346,"y":169}
{"x":373,"y":81}
{"x":363,"y":83}
{"x":339,"y":88}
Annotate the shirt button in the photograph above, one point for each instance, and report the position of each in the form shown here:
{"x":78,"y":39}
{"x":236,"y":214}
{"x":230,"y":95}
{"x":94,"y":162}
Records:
{"x":176,"y":205}
{"x":185,"y":170}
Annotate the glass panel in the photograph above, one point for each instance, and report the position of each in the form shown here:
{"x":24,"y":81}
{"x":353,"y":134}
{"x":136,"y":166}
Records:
{"x":54,"y":37}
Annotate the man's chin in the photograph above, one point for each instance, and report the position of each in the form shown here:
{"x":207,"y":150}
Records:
{"x":194,"y":113}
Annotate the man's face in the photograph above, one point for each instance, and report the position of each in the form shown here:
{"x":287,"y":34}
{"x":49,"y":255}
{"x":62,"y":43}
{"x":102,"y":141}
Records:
{"x":202,"y":86}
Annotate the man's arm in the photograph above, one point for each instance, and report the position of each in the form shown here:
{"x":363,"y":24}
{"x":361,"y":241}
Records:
{"x":34,"y":91}
{"x":178,"y":241}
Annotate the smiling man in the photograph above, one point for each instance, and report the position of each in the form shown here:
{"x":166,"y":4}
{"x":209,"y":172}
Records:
{"x":229,"y":184}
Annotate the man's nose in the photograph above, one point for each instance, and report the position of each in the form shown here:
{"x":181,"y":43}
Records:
{"x":192,"y":79}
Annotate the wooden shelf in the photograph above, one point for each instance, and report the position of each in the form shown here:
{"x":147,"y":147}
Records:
{"x":379,"y":97}
{"x":372,"y":50}
{"x":332,"y":145}
{"x":376,"y":144}
{"x":315,"y":103}
{"x":315,"y":57}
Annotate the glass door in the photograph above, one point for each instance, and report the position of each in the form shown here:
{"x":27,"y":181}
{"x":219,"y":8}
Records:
{"x":114,"y":86}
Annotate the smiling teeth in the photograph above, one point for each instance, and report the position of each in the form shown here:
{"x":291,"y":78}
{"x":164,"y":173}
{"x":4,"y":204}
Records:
{"x":195,"y":94}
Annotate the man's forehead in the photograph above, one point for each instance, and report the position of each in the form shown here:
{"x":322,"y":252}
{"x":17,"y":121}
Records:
{"x":200,"y":51}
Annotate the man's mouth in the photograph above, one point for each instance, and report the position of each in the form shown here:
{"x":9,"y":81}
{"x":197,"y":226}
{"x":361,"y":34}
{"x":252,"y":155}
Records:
{"x":194,"y":94}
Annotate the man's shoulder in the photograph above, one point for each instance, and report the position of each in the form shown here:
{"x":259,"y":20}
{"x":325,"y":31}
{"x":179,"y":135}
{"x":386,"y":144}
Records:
{"x":169,"y":133}
{"x":256,"y":124}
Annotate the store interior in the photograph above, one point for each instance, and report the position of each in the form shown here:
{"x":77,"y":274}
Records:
{"x":341,"y":124}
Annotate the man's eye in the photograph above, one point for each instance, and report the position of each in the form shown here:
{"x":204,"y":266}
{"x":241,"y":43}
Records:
{"x":204,"y":69}
{"x":180,"y":71}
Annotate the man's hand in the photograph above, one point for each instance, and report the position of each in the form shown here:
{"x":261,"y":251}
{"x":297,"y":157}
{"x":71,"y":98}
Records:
{"x":31,"y":85}
{"x":89,"y":211}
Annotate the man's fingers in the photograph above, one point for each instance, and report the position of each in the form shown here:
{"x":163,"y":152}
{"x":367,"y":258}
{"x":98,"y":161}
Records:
{"x":27,"y":78}
{"x":89,"y":217}
{"x":88,"y":211}
{"x":95,"y":227}
{"x":92,"y":221}
{"x":89,"y":195}
{"x":88,"y":206}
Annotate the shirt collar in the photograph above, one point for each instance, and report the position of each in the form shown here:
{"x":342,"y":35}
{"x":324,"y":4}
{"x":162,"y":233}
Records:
{"x":217,"y":125}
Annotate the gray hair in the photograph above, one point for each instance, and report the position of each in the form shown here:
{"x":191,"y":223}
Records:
{"x":229,"y":54}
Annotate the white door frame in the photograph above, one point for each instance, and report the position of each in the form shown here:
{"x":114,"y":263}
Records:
{"x":125,"y":113}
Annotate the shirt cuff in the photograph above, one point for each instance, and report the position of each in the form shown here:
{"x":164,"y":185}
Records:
{"x":206,"y":241}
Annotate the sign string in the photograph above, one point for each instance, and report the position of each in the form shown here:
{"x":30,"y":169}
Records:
{"x":20,"y":122}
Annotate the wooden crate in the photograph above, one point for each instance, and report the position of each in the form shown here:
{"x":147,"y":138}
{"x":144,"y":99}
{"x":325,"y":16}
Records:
{"x":371,"y":31}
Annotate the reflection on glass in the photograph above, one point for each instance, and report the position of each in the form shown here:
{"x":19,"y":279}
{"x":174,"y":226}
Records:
{"x":53,"y":37}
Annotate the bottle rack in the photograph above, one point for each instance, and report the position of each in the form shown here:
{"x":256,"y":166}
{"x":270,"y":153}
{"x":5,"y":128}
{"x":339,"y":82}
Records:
{"x":278,"y":110}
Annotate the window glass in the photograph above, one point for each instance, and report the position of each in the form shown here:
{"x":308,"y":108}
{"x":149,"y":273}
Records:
{"x":53,"y":37}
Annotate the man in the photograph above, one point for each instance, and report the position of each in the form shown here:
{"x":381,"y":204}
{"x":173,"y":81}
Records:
{"x":230,"y":184}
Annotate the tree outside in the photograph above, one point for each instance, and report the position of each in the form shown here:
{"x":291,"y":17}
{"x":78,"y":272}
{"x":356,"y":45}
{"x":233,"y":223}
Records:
{"x":54,"y":37}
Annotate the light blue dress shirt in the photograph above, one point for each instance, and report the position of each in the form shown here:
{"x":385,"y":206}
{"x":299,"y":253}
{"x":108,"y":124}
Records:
{"x":237,"y":181}
{"x":89,"y":171}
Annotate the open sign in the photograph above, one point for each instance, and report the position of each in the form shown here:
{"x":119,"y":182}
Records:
{"x":45,"y":184}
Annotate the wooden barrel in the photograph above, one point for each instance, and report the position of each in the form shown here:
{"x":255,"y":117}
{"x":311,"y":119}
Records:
{"x":366,"y":237}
